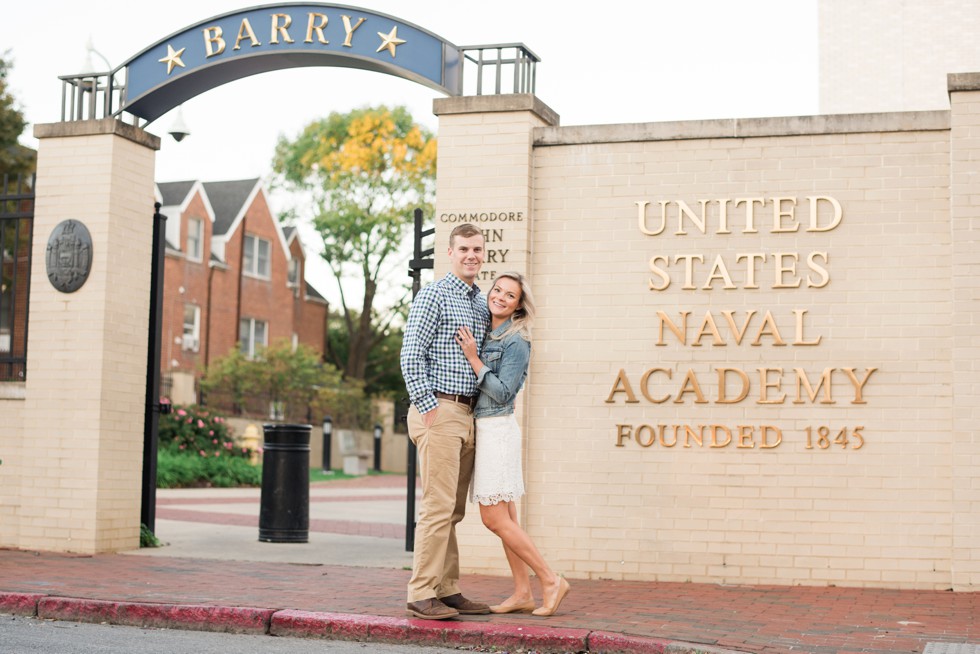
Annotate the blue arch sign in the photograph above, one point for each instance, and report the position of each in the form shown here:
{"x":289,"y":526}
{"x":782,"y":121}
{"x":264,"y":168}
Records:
{"x":271,"y":37}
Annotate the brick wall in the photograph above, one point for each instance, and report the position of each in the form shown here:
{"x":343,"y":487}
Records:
{"x":84,"y":396}
{"x":760,"y":489}
{"x":309,"y":316}
{"x":186,"y":282}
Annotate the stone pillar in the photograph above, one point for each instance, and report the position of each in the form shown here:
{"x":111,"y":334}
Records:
{"x":485,"y":177}
{"x":82,"y":434}
{"x":964,"y":194}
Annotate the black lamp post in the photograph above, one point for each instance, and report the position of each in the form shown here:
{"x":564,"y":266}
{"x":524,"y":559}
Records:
{"x":327,"y":430}
{"x":377,"y":448}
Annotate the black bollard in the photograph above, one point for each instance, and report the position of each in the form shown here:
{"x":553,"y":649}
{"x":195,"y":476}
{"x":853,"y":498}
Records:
{"x":284,"y":512}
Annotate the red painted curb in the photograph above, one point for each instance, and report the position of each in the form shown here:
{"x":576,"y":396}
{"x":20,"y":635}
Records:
{"x":445,"y":632}
{"x":20,"y":603}
{"x":607,"y":642}
{"x":344,"y":626}
{"x":545,"y":639}
{"x":300,"y":624}
{"x":341,"y":626}
{"x":239,"y":620}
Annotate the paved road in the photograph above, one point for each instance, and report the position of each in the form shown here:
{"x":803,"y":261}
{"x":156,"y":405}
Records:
{"x":32,"y":636}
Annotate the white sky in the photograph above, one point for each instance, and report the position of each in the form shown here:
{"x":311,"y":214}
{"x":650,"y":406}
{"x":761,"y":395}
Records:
{"x":611,"y":61}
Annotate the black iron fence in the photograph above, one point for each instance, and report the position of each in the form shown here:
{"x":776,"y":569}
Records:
{"x":16,"y":229}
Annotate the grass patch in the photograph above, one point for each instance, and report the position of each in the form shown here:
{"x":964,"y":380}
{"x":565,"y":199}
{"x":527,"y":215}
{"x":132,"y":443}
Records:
{"x":183,"y":470}
{"x":316,"y":474}
{"x":195,"y":471}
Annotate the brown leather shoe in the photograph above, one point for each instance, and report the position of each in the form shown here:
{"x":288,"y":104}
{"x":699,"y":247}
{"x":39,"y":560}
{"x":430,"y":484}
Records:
{"x":465,"y":606}
{"x":431,"y":609}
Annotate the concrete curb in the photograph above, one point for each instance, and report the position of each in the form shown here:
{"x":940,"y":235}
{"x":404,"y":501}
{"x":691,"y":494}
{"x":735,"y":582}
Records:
{"x":236,"y":620}
{"x":340,"y":626}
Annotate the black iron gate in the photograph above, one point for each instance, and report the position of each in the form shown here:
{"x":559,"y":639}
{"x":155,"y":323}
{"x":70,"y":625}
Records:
{"x":16,"y":228}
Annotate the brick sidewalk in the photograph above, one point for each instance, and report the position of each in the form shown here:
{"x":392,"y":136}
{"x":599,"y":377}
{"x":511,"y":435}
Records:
{"x":370,"y":601}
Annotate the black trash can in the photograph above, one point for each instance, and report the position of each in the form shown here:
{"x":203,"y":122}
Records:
{"x":284,"y":512}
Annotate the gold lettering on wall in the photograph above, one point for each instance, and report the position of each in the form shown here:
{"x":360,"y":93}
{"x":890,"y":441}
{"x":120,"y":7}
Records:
{"x":765,"y":384}
{"x":716,"y":216}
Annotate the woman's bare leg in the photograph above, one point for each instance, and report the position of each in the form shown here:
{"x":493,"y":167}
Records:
{"x":521,"y":552}
{"x":518,"y":569}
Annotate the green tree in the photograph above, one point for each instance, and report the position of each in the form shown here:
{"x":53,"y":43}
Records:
{"x":14,"y":158}
{"x":383,"y":373}
{"x":289,"y":376}
{"x":366,"y":171}
{"x":230,"y":377}
{"x":294,"y":381}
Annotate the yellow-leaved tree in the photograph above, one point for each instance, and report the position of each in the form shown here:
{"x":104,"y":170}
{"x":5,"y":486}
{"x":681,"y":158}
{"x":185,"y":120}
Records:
{"x":363,"y":173}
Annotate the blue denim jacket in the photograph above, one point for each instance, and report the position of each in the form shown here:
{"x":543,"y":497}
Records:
{"x":502,"y":376}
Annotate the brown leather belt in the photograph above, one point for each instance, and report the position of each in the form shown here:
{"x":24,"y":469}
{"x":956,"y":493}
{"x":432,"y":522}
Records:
{"x":468,"y":400}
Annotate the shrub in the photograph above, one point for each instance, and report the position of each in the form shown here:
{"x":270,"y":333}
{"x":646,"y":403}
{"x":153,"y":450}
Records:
{"x":179,"y":470}
{"x":148,"y":538}
{"x":197,"y":431}
{"x":196,"y":448}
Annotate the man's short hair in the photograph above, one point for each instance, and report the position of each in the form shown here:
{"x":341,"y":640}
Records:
{"x":465,"y":230}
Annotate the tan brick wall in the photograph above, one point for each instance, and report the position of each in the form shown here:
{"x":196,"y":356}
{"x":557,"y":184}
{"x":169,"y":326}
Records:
{"x":87,"y":350}
{"x":965,"y":265}
{"x":11,"y":455}
{"x":485,"y":178}
{"x":879,"y":515}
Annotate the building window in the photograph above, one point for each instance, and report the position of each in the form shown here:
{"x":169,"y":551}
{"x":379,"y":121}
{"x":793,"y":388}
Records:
{"x":191,"y":340}
{"x":195,"y":239}
{"x":253,"y":335}
{"x":292,"y":277}
{"x":256,"y":260}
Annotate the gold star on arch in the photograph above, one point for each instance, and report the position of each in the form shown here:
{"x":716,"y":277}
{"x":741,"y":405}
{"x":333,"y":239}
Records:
{"x":173,"y":58}
{"x":390,"y":41}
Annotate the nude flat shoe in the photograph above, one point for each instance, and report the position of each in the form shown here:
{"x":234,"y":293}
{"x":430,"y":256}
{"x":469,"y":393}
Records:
{"x":545,"y":611}
{"x":523,"y":607}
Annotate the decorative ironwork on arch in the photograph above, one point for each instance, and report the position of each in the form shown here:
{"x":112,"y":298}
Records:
{"x":239,"y":44}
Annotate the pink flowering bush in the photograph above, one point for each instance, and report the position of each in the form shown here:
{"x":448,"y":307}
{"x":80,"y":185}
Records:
{"x":196,"y":449}
{"x":196,"y":430}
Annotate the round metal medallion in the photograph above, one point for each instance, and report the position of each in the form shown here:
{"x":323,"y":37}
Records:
{"x":69,"y":256}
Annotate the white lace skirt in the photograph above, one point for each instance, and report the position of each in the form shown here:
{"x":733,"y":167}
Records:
{"x":497,"y":472}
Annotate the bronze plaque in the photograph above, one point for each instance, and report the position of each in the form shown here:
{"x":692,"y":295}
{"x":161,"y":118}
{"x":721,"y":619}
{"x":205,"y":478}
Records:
{"x":69,"y":256}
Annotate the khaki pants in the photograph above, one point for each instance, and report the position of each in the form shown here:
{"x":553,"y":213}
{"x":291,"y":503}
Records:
{"x":445,"y":456}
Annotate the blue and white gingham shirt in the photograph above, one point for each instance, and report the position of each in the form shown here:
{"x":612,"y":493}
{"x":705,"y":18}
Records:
{"x":431,"y":358}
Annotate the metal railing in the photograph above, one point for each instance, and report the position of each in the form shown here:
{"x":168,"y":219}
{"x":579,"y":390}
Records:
{"x":94,"y":96}
{"x":493,"y":61}
{"x":16,"y":229}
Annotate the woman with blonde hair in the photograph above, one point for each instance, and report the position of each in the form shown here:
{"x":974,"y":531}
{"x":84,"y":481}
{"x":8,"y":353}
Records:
{"x":498,"y":479}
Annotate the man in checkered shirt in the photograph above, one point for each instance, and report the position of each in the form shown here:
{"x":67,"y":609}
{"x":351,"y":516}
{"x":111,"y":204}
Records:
{"x":442,"y":388}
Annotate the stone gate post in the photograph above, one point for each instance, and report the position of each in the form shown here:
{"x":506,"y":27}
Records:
{"x":964,"y":193}
{"x":485,"y":177}
{"x":80,"y":474}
